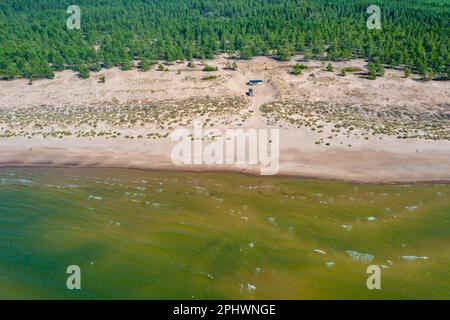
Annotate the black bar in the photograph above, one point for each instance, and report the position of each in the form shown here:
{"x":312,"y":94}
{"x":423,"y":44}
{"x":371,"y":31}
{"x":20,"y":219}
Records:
{"x":229,"y":309}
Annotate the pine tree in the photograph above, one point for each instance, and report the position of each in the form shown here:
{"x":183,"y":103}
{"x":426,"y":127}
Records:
{"x":372,"y":71}
{"x":10,"y":73}
{"x":33,"y":39}
{"x":330,"y":67}
{"x":379,"y":68}
{"x":144,"y":65}
{"x":83,"y":72}
{"x":308,"y":55}
{"x":407,"y":71}
{"x":126,"y":65}
{"x":246,"y":54}
{"x":284,"y":55}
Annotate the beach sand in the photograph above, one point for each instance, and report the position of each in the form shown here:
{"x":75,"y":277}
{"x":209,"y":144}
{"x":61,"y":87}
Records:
{"x":351,"y":157}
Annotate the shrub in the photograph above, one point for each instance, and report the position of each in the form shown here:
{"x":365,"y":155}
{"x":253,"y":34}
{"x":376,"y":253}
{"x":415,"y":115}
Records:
{"x":372,"y":71}
{"x":330,"y":67}
{"x":407,"y":71}
{"x":162,"y":68}
{"x":300,"y":66}
{"x":209,"y":78}
{"x":208,"y":68}
{"x":351,"y":69}
{"x":83,"y":72}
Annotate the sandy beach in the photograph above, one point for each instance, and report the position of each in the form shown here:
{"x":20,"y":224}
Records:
{"x":391,"y":129}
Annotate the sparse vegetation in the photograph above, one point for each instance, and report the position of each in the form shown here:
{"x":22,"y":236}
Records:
{"x":161,"y":67}
{"x":207,"y":78}
{"x":297,"y":69}
{"x":343,"y":119}
{"x":351,"y":69}
{"x":153,"y":121}
{"x":209,"y":68}
{"x":231,"y":66}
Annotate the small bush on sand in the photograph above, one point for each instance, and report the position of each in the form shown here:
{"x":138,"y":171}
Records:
{"x":208,"y":68}
{"x":209,"y":78}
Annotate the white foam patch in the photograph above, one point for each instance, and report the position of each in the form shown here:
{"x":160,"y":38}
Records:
{"x":413,"y":258}
{"x":357,"y":256}
{"x":347,"y":227}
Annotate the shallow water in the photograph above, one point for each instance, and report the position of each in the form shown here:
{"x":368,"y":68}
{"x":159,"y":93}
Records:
{"x":170,"y":235}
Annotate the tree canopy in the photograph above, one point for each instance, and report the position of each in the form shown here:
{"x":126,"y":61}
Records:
{"x":35,"y":42}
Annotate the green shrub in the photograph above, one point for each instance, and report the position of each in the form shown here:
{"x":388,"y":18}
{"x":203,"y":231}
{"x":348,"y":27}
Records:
{"x":208,"y":68}
{"x":209,"y":78}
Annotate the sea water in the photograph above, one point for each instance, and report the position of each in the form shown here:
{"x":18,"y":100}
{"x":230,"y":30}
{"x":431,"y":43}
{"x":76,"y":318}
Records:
{"x":171,"y":235}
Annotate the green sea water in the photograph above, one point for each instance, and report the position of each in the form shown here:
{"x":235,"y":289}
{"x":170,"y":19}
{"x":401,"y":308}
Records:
{"x":170,"y":235}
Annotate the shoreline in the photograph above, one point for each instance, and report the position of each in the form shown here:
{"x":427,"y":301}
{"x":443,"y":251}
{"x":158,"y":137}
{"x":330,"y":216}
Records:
{"x":231,"y":171}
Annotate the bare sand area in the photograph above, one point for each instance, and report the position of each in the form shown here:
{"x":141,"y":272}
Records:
{"x":391,"y":129}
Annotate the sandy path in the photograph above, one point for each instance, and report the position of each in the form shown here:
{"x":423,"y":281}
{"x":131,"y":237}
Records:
{"x":263,"y":93}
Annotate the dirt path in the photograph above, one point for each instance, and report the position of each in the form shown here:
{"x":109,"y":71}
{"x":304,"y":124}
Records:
{"x":263,"y":93}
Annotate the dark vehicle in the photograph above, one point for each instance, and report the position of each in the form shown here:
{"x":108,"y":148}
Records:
{"x":254,"y":82}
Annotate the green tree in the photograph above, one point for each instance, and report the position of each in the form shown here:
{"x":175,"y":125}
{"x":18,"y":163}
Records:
{"x":372,"y":71}
{"x":126,"y":65}
{"x":284,"y":55}
{"x":308,"y":55}
{"x":144,"y":65}
{"x":83,"y":72}
{"x":330,"y":67}
{"x":246,"y":54}
{"x":32,"y":37}
{"x":407,"y":71}
{"x":379,"y":69}
{"x":11,"y":72}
